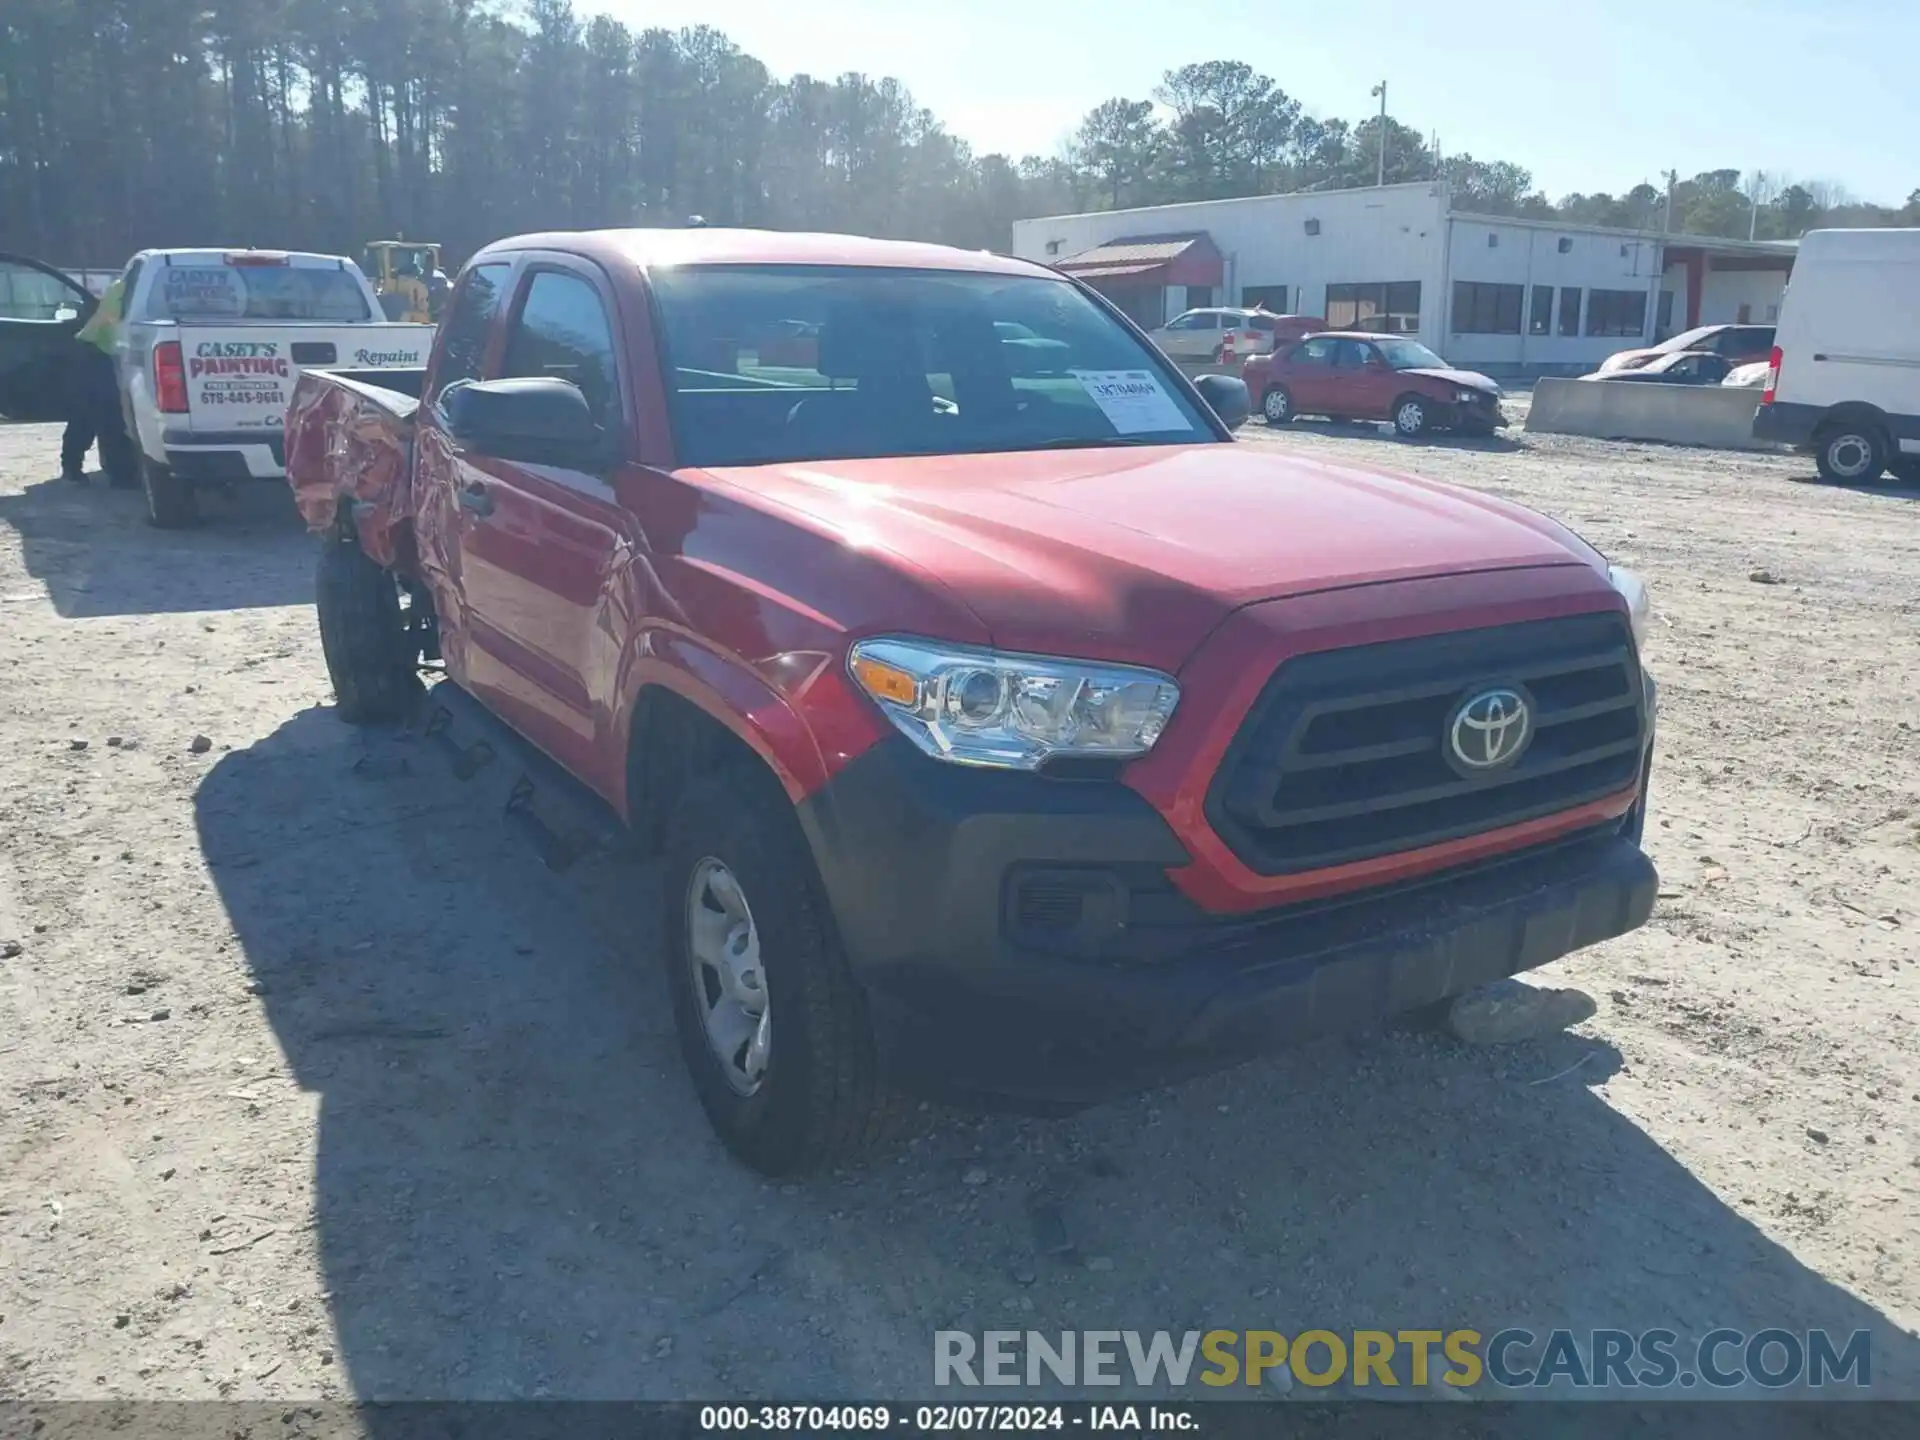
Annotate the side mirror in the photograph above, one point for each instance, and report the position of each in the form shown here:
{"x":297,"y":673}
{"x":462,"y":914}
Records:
{"x":1226,"y":396}
{"x":537,"y":419}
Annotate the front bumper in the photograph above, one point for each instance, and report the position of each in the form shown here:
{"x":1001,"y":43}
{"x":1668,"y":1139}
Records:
{"x":1484,"y":413}
{"x":1017,"y":936}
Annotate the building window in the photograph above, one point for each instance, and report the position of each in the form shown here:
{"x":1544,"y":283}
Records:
{"x":1383,"y":308}
{"x":1481,"y":309}
{"x":1053,"y":247}
{"x":1565,"y":247}
{"x":1199,"y":296}
{"x":1265,"y":297}
{"x":1570,"y":310}
{"x":1617,"y":312}
{"x":1540,"y":314}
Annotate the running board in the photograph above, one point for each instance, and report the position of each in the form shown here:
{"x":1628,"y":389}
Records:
{"x":562,"y":819}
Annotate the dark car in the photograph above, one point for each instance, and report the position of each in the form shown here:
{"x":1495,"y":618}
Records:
{"x":1693,"y":368}
{"x":1347,"y":375}
{"x":1736,"y":344}
{"x":41,"y":310}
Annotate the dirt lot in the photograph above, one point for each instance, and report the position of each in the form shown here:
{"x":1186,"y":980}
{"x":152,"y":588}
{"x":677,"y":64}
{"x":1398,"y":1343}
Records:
{"x":315,"y":1084}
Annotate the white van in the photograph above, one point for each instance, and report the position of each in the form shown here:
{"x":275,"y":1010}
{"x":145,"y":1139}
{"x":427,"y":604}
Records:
{"x":1844,"y":380}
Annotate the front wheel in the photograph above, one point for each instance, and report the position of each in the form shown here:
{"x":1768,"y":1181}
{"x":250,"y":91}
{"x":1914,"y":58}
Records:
{"x":772,"y":1024}
{"x":1851,"y":454}
{"x":171,"y":501}
{"x":1411,"y":416}
{"x":1277,"y":406}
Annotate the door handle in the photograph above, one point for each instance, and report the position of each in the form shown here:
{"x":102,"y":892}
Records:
{"x":475,"y":498}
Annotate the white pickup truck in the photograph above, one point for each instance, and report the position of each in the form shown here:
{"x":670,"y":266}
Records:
{"x":209,"y":346}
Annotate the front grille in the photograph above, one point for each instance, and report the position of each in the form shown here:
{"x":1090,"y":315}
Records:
{"x":1341,"y":757}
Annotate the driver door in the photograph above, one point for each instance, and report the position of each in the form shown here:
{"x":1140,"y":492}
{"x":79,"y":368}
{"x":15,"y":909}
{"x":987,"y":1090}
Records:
{"x":1368,"y":385}
{"x":40,"y":312}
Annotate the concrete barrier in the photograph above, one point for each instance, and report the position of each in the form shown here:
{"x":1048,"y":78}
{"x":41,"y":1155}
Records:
{"x":1717,"y":415}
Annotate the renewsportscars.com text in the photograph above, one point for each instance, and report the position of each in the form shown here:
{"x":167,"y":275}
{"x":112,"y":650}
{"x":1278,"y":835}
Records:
{"x":1511,"y":1359}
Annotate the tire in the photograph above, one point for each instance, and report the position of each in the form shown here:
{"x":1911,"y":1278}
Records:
{"x":171,"y":501}
{"x":1412,"y":416}
{"x":819,"y":1095}
{"x":363,"y":636}
{"x":1277,"y":406}
{"x":1851,"y":453}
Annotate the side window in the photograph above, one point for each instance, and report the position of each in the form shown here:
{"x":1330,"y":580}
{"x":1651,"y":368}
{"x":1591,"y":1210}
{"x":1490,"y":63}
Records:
{"x":562,"y":332}
{"x":463,"y":336}
{"x":1184,"y":322}
{"x":128,"y":282}
{"x":30,"y":293}
{"x":1316,"y":352}
{"x":1352,"y":355}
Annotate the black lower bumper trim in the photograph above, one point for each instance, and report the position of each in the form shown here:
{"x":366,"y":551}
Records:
{"x":919,"y":859}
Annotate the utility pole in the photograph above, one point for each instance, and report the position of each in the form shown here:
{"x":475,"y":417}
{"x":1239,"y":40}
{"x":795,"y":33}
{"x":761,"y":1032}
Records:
{"x":1753,"y":212}
{"x":1381,"y":91}
{"x":1673,"y":178}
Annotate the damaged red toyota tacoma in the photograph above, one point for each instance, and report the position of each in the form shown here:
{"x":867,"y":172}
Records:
{"x":1002,"y":727}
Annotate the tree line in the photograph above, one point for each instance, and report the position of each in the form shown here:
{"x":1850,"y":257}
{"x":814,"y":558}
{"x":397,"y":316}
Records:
{"x":321,"y":124}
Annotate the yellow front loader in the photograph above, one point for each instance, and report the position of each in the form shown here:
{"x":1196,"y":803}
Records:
{"x":407,"y":277}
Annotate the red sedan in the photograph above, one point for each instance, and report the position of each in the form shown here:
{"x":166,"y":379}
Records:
{"x":1353,"y":376}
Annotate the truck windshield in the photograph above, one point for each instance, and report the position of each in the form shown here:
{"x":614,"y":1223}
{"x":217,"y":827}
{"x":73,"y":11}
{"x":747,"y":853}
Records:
{"x":222,"y":293}
{"x":766,"y":364}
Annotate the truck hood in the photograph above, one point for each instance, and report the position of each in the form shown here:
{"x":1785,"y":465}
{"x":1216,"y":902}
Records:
{"x":1137,"y":554}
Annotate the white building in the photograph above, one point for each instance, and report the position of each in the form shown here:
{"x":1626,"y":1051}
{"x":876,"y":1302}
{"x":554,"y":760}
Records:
{"x":1490,"y":292}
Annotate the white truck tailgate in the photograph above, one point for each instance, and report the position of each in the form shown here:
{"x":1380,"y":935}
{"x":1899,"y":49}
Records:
{"x":241,"y":377}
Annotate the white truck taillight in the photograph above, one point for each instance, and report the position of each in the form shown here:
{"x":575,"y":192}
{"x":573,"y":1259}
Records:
{"x":1773,"y":377}
{"x":169,"y":378}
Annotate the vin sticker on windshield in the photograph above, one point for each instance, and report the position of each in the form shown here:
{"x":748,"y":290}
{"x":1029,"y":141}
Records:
{"x":1132,"y":401}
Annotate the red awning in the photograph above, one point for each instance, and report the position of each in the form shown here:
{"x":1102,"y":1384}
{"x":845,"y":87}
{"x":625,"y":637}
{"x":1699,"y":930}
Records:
{"x":1189,"y":259}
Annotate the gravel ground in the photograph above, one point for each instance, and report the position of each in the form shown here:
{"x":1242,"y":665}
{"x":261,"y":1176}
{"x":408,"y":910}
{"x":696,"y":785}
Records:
{"x":317,"y":1085}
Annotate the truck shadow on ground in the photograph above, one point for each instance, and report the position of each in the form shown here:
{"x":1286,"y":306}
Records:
{"x":92,"y":548}
{"x":517,"y":1196}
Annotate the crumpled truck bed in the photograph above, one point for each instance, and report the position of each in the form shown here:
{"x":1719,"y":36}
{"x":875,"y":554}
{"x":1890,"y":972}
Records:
{"x":349,"y":442}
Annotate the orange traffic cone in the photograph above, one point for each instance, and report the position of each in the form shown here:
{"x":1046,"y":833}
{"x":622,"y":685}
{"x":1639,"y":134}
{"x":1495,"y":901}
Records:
{"x":1227,"y":357}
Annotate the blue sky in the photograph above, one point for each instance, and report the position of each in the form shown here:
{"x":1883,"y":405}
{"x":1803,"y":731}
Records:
{"x":1588,"y":96}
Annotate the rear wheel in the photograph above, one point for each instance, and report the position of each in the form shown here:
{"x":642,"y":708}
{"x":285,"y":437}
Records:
{"x":171,"y":501}
{"x":1411,"y":416}
{"x":772,"y":1024}
{"x":1277,"y":405}
{"x":364,"y":636}
{"x":1851,"y":453}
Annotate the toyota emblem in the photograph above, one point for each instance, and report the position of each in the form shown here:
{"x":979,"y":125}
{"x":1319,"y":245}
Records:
{"x":1489,"y":730}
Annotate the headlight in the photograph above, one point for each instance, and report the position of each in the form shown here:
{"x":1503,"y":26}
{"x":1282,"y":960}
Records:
{"x":1468,"y":397}
{"x":1639,"y":608}
{"x":981,"y":707}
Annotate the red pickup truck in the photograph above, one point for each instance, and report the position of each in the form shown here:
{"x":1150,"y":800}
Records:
{"x":1005,"y":730}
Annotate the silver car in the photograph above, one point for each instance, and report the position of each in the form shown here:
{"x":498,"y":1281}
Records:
{"x":1200,"y":334}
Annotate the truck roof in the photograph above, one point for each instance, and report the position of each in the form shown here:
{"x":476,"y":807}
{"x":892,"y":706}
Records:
{"x":203,"y":255}
{"x":709,"y":246}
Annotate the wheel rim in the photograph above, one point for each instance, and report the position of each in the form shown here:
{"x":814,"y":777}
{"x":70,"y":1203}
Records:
{"x":1275,"y":405}
{"x":1411,"y":418}
{"x":1849,"y":455}
{"x":729,"y":986}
